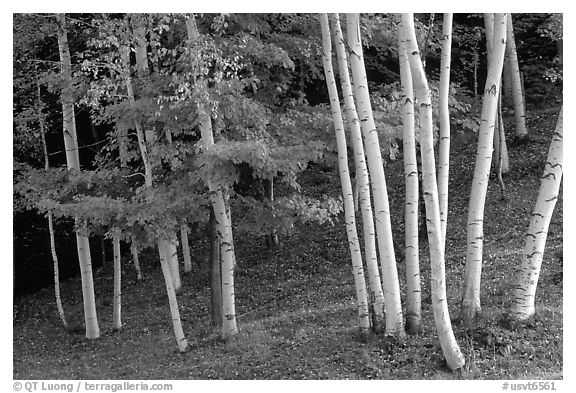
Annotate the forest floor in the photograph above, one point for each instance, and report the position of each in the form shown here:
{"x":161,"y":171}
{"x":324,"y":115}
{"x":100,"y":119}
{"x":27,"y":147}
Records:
{"x":296,"y":308}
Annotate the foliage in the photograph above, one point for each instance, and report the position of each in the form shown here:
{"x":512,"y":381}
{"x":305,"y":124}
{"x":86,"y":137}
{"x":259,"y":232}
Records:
{"x":297,"y":308}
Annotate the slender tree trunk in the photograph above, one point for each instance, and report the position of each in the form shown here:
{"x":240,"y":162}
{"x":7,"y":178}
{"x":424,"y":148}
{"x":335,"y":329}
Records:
{"x":350,"y":219}
{"x":215,"y":275}
{"x":413,"y":286}
{"x":272,"y":237}
{"x":424,"y":51}
{"x":450,"y":348}
{"x":136,"y":259}
{"x":444,"y":149}
{"x":475,"y":233}
{"x":527,"y":279}
{"x":517,"y":88}
{"x":219,"y":204}
{"x":174,"y":310}
{"x":362,"y":180}
{"x":175,"y":313}
{"x":391,"y":286}
{"x":185,"y":248}
{"x":117,"y":303}
{"x":73,"y":162}
{"x":50,"y":220}
{"x":172,"y":255}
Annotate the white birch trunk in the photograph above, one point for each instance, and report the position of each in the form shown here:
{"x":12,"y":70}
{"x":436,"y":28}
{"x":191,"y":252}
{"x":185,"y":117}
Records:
{"x":117,"y":301}
{"x":517,"y":91}
{"x":173,"y":302}
{"x":50,"y":220}
{"x":175,"y":313}
{"x":475,"y":226}
{"x":350,"y":219}
{"x":413,"y":285}
{"x":223,"y":221}
{"x":136,"y":260}
{"x":450,"y":348}
{"x":224,"y":228}
{"x":391,"y":286}
{"x":172,"y":254}
{"x":362,"y":179}
{"x":526,"y":282}
{"x":185,"y":248}
{"x":444,"y":149}
{"x":73,"y":162}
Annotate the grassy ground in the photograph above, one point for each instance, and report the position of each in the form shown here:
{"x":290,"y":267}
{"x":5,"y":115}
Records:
{"x":295,"y":305}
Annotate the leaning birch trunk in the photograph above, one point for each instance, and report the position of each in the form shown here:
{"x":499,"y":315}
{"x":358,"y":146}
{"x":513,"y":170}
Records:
{"x":172,"y":255}
{"x":117,"y":302}
{"x":185,"y":248}
{"x":391,"y":286}
{"x":475,"y":227}
{"x":362,"y":180}
{"x":350,"y":219}
{"x":73,"y":162}
{"x":50,"y":220}
{"x":217,"y":198}
{"x":150,"y":136}
{"x":517,"y":91}
{"x":413,"y":286}
{"x":444,"y":149}
{"x":527,"y":280}
{"x":172,"y":300}
{"x":136,"y":259}
{"x":450,"y":348}
{"x":175,"y":313}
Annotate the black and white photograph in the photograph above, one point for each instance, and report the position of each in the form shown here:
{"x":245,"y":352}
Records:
{"x":306,"y":196}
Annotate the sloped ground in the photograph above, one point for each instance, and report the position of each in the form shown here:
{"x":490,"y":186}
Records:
{"x":295,"y":305}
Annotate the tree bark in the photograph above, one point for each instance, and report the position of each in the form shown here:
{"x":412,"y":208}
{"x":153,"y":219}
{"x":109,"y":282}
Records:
{"x":73,"y":162}
{"x":215,"y":276}
{"x":475,"y":227}
{"x":350,"y":219}
{"x":117,"y":302}
{"x":391,"y":287}
{"x":175,"y":313}
{"x":444,"y":149}
{"x":185,"y":248}
{"x":50,"y":220}
{"x":173,"y":302}
{"x":219,"y":204}
{"x":517,"y":90}
{"x":362,"y":180}
{"x":413,"y":286}
{"x":523,"y":306}
{"x":136,"y":259}
{"x":450,"y":348}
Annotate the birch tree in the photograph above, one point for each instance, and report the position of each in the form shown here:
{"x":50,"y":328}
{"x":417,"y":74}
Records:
{"x":139,"y":30}
{"x":172,"y":300}
{"x":349,"y":214}
{"x":362,"y":178}
{"x":390,"y":284}
{"x":444,"y":149}
{"x":413,"y":286}
{"x":450,"y":348}
{"x":50,"y":218}
{"x":475,"y":225}
{"x":521,"y":131}
{"x":73,"y":162}
{"x":117,"y":301}
{"x":185,"y":248}
{"x":527,"y":280}
{"x":218,"y":201}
